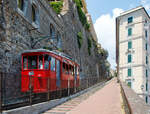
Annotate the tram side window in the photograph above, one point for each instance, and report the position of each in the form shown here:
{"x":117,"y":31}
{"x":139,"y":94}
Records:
{"x":41,"y":62}
{"x":70,"y":70}
{"x":24,"y":62}
{"x":32,"y":62}
{"x":77,"y":70}
{"x":47,"y":59}
{"x":52,"y":64}
{"x":63,"y":68}
{"x":67,"y":69}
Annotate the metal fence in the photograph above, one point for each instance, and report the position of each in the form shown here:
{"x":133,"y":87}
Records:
{"x":11,"y":95}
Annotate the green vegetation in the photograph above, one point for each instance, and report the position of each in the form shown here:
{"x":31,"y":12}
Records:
{"x":78,"y":3}
{"x":80,"y":39}
{"x":81,"y":14}
{"x":57,"y":6}
{"x":48,"y":48}
{"x":59,"y":49}
{"x":103,"y":52}
{"x":87,"y":26}
{"x":89,"y":45}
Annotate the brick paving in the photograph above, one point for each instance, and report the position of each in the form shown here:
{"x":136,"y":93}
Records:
{"x":105,"y":101}
{"x":69,"y":105}
{"x":100,"y":100}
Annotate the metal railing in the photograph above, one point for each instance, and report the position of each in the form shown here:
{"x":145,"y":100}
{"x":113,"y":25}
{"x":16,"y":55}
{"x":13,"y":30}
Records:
{"x":11,"y":95}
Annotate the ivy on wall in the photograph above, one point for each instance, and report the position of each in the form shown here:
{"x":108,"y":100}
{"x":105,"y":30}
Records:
{"x":80,"y":39}
{"x":89,"y":41}
{"x":81,"y":14}
{"x":57,"y":6}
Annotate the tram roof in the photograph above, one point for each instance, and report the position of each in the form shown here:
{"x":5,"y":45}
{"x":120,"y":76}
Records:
{"x":54,"y":52}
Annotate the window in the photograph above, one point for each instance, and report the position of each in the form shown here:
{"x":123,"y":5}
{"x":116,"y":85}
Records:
{"x":25,"y":62}
{"x":63,"y":68}
{"x":52,"y":64}
{"x":129,"y":45}
{"x":129,"y":31}
{"x":146,"y":99}
{"x":129,"y":84}
{"x":146,"y":60}
{"x":35,"y":14}
{"x":146,"y":86}
{"x":47,"y":59}
{"x":129,"y":72}
{"x":52,"y":32}
{"x":130,"y":20}
{"x":146,"y":34}
{"x":77,"y":70}
{"x":59,"y":40}
{"x":67,"y":69}
{"x":146,"y":46}
{"x":146,"y":73}
{"x":32,"y":62}
{"x":129,"y":58}
{"x":20,"y":4}
{"x":41,"y":62}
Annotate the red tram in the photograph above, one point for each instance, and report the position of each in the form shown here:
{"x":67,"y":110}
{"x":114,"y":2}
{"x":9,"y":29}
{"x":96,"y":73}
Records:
{"x":46,"y":70}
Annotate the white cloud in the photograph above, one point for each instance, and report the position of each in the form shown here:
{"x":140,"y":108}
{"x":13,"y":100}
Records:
{"x":105,"y":29}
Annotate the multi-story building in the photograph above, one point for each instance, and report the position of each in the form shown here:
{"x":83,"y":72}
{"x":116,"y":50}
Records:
{"x":132,"y":50}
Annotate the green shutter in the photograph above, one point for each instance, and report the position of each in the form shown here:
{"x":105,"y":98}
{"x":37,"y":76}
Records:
{"x":129,"y":31}
{"x":146,"y":73}
{"x":146,"y":33}
{"x":146,"y":99}
{"x":146,"y":46}
{"x":146,"y":86}
{"x":129,"y":72}
{"x":129,"y":84}
{"x":146,"y":60}
{"x":129,"y":45}
{"x":129,"y":58}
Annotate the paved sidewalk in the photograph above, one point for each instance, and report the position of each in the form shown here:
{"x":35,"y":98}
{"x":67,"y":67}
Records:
{"x":105,"y":101}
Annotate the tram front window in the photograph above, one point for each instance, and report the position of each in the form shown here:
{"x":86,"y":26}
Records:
{"x":24,"y":62}
{"x":41,"y":62}
{"x":32,"y":62}
{"x":47,"y":59}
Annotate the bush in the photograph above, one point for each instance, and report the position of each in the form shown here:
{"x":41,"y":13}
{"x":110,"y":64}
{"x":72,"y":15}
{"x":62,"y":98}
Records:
{"x":89,"y":45}
{"x":57,"y":6}
{"x":80,"y":39}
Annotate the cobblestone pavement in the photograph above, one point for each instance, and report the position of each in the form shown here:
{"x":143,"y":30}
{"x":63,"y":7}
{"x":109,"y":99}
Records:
{"x":71,"y":104}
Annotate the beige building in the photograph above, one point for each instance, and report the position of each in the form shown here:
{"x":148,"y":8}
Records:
{"x":133,"y":50}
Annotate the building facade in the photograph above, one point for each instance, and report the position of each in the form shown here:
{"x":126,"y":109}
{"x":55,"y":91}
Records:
{"x":132,"y":50}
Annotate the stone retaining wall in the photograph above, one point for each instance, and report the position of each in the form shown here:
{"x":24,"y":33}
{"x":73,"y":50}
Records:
{"x":135,"y":104}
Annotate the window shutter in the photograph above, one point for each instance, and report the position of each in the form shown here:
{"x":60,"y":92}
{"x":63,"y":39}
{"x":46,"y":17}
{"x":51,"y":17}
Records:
{"x":129,"y":72}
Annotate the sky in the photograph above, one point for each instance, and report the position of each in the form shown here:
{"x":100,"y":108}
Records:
{"x":103,"y":14}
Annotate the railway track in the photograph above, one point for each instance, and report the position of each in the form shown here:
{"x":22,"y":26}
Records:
{"x":69,"y":105}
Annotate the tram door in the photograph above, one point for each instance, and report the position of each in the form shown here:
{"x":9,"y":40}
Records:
{"x":58,"y":80}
